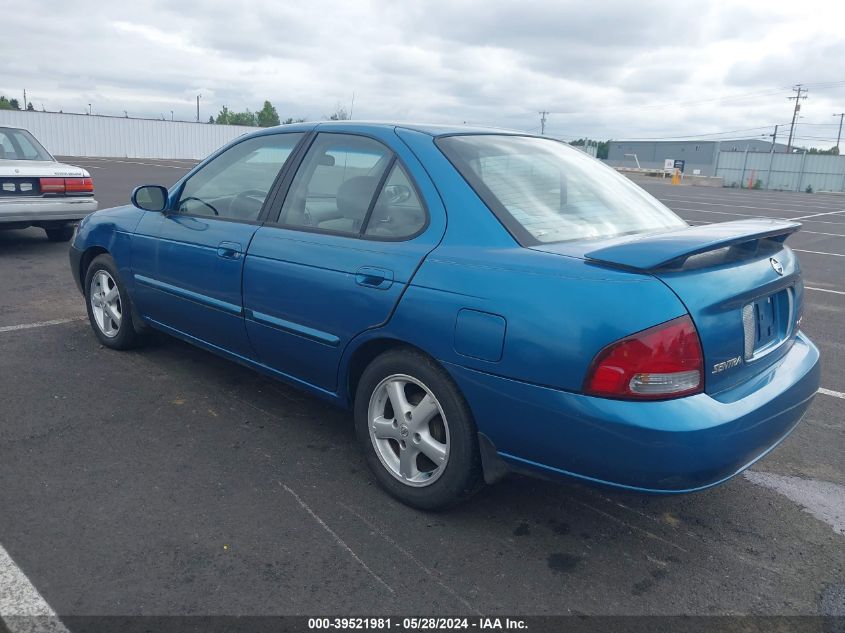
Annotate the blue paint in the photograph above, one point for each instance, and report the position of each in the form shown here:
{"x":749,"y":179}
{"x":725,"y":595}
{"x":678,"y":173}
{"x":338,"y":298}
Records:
{"x":515,"y":327}
{"x":480,"y":335}
{"x":295,"y":328}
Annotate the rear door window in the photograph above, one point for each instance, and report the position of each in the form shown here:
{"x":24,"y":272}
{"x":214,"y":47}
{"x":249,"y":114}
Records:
{"x":398,"y":212}
{"x":336,"y":183}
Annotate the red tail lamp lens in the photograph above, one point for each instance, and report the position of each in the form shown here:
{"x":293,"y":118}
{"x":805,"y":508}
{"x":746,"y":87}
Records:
{"x":662,"y":362}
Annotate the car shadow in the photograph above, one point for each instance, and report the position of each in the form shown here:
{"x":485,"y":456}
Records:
{"x":31,"y":240}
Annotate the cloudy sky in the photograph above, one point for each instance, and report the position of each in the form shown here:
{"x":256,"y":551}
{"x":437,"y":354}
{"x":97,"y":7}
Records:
{"x":603,"y":69}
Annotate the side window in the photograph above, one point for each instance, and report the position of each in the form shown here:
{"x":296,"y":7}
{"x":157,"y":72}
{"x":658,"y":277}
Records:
{"x":336,"y":183}
{"x":235,"y":184}
{"x":398,"y":212}
{"x":6,"y":149}
{"x":27,"y":149}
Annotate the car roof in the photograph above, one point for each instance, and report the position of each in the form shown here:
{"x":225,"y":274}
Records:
{"x":432,"y":129}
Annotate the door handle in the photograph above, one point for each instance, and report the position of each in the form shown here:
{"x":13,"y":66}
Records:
{"x":229,"y":250}
{"x":372,"y":277}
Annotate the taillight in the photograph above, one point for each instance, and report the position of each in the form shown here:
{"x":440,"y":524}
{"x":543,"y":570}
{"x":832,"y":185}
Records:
{"x":79,"y":185}
{"x":658,"y":363}
{"x":52,"y":185}
{"x":70,"y":186}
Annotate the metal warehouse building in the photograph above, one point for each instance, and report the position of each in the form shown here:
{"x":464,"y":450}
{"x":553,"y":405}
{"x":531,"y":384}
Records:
{"x":700,"y":157}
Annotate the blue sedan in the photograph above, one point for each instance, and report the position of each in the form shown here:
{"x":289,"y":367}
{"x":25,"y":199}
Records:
{"x":483,"y":301}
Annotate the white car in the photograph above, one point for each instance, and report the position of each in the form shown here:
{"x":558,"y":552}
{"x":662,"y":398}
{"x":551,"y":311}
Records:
{"x":37,"y":190}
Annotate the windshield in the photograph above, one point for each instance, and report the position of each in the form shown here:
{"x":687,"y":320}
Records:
{"x":18,"y":144}
{"x":545,"y":191}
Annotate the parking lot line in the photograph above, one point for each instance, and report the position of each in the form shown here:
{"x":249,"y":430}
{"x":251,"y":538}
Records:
{"x":799,"y":250}
{"x":754,"y":216}
{"x":831,"y":392}
{"x":825,"y":500}
{"x":732,"y":205}
{"x":742,"y":215}
{"x":816,"y":215}
{"x":836,"y":292}
{"x":336,"y":538}
{"x":20,"y":601}
{"x":434,"y":576}
{"x":28,"y":326}
{"x":134,"y":162}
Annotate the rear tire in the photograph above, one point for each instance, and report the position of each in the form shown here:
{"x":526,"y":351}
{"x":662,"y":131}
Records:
{"x":60,"y":233}
{"x":109,"y":305}
{"x":417,"y":431}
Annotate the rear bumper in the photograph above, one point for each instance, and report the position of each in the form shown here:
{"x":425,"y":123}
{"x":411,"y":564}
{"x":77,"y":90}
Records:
{"x":36,"y":209}
{"x":672,"y":446}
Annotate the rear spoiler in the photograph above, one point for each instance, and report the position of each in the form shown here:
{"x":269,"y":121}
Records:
{"x":673,"y":248}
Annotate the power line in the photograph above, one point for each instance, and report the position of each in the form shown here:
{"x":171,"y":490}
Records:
{"x":693,"y":136}
{"x":825,"y":84}
{"x":798,"y":88}
{"x":653,"y":106}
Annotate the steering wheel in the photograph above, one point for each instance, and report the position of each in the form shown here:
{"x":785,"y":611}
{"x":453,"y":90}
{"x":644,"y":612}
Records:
{"x":252,"y":194}
{"x":202,"y":202}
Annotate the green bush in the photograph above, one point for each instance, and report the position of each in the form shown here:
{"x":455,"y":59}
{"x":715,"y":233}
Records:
{"x":809,"y":189}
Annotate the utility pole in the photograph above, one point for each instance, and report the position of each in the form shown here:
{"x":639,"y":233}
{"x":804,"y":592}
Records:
{"x":798,"y":89}
{"x":771,"y":157}
{"x":838,"y":136}
{"x":24,"y":102}
{"x":198,"y":108}
{"x":543,"y":114}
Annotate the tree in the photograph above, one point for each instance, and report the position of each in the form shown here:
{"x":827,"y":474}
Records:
{"x":267,"y":116}
{"x":29,"y":107}
{"x":290,"y":120}
{"x":227,"y":117}
{"x":211,"y":119}
{"x":340,"y":114}
{"x":833,"y":150}
{"x":223,"y":116}
{"x":242,"y":118}
{"x":602,"y":147}
{"x":6,"y":104}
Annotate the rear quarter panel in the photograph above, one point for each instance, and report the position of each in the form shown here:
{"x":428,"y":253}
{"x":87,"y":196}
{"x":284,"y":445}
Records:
{"x":558,"y":311}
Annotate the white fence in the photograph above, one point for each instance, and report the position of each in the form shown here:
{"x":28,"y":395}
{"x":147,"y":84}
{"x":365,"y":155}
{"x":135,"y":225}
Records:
{"x":787,"y":172}
{"x":84,"y":135}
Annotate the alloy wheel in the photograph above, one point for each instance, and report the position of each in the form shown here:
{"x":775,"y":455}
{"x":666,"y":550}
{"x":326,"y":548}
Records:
{"x":409,"y":430}
{"x":105,"y":303}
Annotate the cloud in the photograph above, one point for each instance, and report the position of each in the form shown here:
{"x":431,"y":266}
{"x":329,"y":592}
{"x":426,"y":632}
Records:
{"x":603,"y":69}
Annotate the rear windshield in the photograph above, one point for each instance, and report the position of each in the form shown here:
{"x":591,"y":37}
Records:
{"x":18,"y":144}
{"x":543,"y":190}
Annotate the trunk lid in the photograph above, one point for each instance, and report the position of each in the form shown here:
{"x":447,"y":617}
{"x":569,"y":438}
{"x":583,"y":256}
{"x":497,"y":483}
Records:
{"x":40,"y":169}
{"x":21,"y":178}
{"x":741,"y":285}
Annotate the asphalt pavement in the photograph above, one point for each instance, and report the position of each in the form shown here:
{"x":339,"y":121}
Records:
{"x":167,"y":481}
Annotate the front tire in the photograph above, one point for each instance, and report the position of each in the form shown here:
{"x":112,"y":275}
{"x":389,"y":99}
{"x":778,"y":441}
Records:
{"x":109,"y":305}
{"x":61,"y":233}
{"x":417,"y":431}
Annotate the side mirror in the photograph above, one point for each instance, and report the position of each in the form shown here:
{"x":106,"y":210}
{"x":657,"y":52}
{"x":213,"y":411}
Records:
{"x":150,"y":198}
